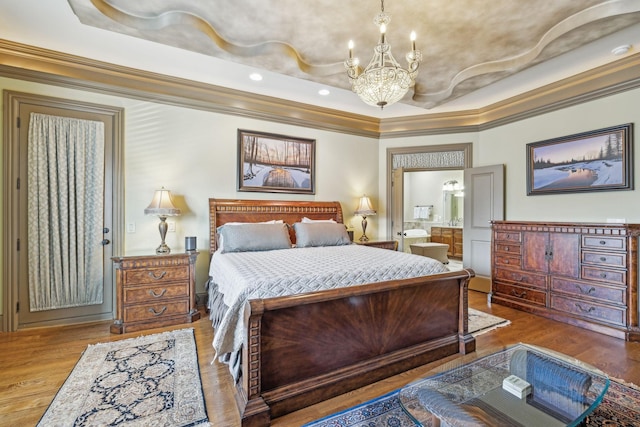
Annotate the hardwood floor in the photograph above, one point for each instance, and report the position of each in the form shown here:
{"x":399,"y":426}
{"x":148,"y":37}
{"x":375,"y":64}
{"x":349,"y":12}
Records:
{"x":35,"y":363}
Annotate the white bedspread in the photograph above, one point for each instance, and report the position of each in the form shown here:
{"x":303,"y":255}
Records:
{"x":250,"y":275}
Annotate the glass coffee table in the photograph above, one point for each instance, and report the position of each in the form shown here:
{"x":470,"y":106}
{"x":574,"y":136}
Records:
{"x":551,"y":389}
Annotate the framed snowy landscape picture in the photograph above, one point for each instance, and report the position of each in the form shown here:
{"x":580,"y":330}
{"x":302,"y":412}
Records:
{"x":592,"y":161}
{"x":275,"y":163}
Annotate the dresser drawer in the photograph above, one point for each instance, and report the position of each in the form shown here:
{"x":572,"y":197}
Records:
{"x":508,"y":248}
{"x":610,"y":259}
{"x":522,"y":277}
{"x":608,"y":242}
{"x":617,"y":277}
{"x":158,"y":293}
{"x":508,"y":236}
{"x":589,"y":290}
{"x":156,"y":275}
{"x":518,"y":293}
{"x":513,"y":261}
{"x":137,"y":313}
{"x":586,"y":309}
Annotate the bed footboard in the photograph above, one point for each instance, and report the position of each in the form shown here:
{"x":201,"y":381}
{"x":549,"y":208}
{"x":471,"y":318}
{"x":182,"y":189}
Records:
{"x":303,"y":349}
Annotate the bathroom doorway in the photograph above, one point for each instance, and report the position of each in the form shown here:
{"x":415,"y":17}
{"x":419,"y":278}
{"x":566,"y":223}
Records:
{"x":432,"y":199}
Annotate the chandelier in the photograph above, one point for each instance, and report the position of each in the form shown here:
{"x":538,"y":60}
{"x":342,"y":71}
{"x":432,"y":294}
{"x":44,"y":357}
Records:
{"x":384,"y":81}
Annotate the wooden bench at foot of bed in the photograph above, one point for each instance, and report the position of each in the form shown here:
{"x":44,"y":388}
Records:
{"x":303,"y":349}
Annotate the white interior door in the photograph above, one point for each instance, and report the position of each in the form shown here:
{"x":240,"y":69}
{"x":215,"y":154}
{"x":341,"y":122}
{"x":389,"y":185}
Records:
{"x":483,"y":203}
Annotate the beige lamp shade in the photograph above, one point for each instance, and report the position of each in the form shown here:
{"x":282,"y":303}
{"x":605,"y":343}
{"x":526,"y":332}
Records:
{"x":162,"y":204}
{"x":364,"y":207}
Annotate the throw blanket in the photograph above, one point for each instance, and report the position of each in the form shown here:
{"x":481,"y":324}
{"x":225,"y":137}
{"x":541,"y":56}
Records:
{"x":240,"y":277}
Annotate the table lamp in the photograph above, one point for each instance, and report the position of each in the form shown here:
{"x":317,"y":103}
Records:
{"x":364,"y":209}
{"x":162,"y":206}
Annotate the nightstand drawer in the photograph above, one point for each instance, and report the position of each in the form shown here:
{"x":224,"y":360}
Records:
{"x":139,"y":294}
{"x":156,"y":275}
{"x":137,"y":313}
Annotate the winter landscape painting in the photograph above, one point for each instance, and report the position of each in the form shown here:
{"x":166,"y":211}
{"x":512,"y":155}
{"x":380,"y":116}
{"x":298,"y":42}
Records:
{"x":591,"y":161}
{"x":275,"y":163}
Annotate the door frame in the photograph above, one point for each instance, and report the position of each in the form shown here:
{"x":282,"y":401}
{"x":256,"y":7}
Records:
{"x":466,"y":148}
{"x":10,"y":209}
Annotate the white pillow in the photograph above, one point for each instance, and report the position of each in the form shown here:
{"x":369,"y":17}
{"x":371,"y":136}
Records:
{"x":305,"y":219}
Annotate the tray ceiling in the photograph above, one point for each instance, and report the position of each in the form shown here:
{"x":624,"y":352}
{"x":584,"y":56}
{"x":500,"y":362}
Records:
{"x":466,"y":45}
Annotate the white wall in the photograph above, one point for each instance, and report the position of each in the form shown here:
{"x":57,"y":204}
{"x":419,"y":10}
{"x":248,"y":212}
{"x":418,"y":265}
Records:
{"x":194,"y":154}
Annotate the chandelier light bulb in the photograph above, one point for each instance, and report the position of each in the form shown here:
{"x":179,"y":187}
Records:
{"x":413,"y":40}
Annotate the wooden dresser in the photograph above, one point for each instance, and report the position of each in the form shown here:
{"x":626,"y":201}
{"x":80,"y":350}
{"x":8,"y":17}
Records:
{"x":154,"y":291}
{"x":582,"y":274}
{"x":451,"y":236}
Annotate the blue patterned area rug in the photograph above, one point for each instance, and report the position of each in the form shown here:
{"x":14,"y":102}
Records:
{"x":619,"y":408}
{"x":153,"y":380}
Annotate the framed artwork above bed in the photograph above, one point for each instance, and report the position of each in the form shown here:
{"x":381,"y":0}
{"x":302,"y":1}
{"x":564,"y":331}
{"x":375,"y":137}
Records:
{"x":274,"y":163}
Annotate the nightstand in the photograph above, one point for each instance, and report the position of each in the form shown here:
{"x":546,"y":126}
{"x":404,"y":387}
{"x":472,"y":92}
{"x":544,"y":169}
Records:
{"x":382,"y":244}
{"x":154,"y":291}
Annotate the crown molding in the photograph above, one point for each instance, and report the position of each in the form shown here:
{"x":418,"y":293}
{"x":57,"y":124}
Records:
{"x":45,"y":66}
{"x":606,"y":80}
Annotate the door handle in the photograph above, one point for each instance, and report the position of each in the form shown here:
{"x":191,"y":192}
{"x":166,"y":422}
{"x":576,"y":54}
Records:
{"x":105,"y":242}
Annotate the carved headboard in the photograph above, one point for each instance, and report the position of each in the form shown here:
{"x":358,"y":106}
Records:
{"x":222,"y":211}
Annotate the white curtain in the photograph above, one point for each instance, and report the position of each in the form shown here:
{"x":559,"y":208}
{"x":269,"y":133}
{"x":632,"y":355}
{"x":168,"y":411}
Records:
{"x":65,"y":212}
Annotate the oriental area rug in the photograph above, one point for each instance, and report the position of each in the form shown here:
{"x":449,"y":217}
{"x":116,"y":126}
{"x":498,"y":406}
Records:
{"x":152,"y":380}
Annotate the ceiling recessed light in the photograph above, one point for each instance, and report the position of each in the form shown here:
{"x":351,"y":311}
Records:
{"x":255,"y":77}
{"x":621,"y":50}
{"x":324,"y":92}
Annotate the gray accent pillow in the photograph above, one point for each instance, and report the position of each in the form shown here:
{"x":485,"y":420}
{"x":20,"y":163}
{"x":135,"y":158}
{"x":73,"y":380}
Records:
{"x":320,"y":234}
{"x":254,"y":237}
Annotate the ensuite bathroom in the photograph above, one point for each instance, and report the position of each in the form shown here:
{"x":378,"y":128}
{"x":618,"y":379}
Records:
{"x":433,"y":208}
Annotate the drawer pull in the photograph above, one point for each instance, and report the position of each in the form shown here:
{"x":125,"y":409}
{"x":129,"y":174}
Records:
{"x":603,"y":275}
{"x":155,"y":276}
{"x":153,"y":293}
{"x":589,"y":310}
{"x":603,"y":258}
{"x":506,"y":249}
{"x":603,"y":242}
{"x":520,"y":279}
{"x":506,"y":261}
{"x":588,"y":291}
{"x":518,"y":294}
{"x":157,"y":313}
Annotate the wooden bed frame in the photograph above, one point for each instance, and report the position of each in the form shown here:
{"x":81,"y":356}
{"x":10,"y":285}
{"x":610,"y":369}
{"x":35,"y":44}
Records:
{"x":302,"y":349}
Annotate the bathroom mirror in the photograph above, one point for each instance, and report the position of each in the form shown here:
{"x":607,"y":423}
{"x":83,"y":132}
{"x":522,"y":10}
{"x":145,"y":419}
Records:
{"x":452,"y":203}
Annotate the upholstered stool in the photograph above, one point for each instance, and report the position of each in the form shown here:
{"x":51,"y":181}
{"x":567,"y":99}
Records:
{"x":436,"y":251}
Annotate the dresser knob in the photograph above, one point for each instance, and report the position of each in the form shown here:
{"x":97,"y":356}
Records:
{"x":157,"y":313}
{"x":588,"y":291}
{"x":153,"y":293}
{"x":519,"y":294}
{"x":603,"y":275}
{"x":155,"y":276}
{"x":603,"y":242}
{"x":589,"y":310}
{"x":603,"y":259}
